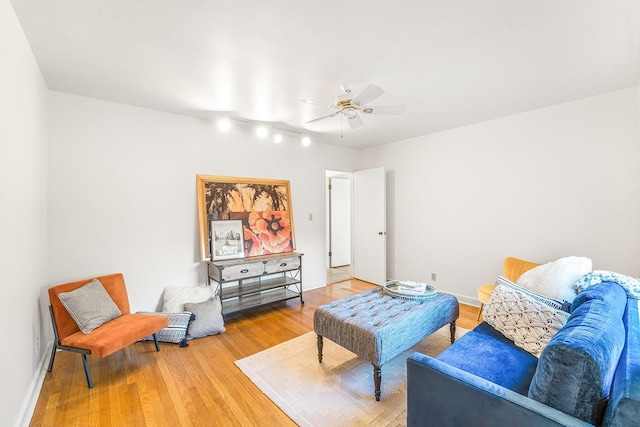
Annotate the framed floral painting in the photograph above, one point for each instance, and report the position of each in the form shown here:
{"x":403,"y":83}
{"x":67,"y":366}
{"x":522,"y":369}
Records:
{"x":261,"y":206}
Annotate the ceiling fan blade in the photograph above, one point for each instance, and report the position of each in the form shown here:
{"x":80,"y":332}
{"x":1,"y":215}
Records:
{"x":354,"y":121}
{"x":384,"y":109}
{"x":323,"y":117}
{"x":312,"y":102}
{"x":370,"y":93}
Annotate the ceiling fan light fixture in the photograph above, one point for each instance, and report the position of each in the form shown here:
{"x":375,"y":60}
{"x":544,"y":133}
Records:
{"x":347,"y":106}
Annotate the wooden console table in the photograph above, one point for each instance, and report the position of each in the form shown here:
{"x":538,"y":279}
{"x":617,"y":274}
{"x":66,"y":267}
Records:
{"x":254,"y":282}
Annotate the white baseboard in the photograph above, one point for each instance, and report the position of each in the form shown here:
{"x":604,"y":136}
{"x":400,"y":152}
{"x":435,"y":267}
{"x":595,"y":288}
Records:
{"x":314,"y":285}
{"x":29,"y":405}
{"x":475,"y":302}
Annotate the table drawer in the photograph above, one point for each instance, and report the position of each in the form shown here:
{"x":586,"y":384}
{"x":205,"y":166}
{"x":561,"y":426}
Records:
{"x":235,"y":272}
{"x":282,"y":264}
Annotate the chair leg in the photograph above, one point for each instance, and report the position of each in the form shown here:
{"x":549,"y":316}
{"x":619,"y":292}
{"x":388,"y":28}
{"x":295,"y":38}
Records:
{"x":155,"y":339}
{"x":480,"y":311}
{"x":53,"y":356}
{"x":56,"y":346}
{"x":86,"y":370}
{"x":55,"y":339}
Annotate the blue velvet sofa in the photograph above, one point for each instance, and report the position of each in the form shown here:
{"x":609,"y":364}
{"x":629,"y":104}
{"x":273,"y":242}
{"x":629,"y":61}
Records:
{"x":588,"y":374}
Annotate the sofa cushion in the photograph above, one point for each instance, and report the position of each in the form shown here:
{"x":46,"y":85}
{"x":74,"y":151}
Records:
{"x":523,"y":317}
{"x":90,"y":306}
{"x":555,"y":279}
{"x":116,"y":334}
{"x":576,"y":369}
{"x":486,"y":353}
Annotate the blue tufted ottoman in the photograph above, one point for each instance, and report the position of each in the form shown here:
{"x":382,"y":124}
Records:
{"x":377,"y":327}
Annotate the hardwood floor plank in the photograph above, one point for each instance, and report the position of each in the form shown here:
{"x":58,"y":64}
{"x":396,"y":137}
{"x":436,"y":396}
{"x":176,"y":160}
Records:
{"x":199,"y":385}
{"x":175,"y":413}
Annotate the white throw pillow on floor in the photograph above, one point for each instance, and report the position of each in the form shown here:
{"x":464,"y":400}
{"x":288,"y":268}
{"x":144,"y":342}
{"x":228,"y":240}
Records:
{"x":175,"y":297}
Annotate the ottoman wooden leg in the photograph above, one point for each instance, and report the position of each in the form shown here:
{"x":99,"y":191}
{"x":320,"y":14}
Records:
{"x":452,"y":329}
{"x":377,"y":380}
{"x":320,"y":348}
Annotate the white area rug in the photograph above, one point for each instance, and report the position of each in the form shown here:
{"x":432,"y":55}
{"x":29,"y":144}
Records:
{"x":339,"y":391}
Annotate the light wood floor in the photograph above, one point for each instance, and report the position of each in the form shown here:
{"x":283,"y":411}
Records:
{"x":194,"y":386}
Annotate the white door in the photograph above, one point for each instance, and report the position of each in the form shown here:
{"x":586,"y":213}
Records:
{"x":370,"y":226}
{"x":340,"y":222}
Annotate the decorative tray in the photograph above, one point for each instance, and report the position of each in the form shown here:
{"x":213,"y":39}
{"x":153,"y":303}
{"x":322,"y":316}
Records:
{"x":409,"y":290}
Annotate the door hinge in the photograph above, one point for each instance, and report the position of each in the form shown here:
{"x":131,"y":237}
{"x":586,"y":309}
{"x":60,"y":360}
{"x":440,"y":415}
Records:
{"x":329,"y":186}
{"x":329,"y":253}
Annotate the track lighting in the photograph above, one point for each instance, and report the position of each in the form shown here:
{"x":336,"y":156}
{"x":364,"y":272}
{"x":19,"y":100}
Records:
{"x":224,"y":124}
{"x":262,"y":130}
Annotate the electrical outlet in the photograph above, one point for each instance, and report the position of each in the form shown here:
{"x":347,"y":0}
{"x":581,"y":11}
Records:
{"x":433,"y":276}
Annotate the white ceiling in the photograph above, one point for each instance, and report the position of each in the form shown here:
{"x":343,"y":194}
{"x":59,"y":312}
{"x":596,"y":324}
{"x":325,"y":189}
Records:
{"x":451,"y":62}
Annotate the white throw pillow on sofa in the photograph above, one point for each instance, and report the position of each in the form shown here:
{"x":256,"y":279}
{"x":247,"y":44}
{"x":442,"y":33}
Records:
{"x":175,"y":297}
{"x":555,"y":279}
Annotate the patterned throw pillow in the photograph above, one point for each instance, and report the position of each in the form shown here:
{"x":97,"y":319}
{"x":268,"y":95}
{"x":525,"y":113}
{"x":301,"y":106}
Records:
{"x":176,"y":332}
{"x":629,"y":284}
{"x":525,"y":320}
{"x":551,"y":302}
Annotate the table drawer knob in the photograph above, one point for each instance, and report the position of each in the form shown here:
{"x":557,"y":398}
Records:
{"x":243,"y":271}
{"x":284,"y":264}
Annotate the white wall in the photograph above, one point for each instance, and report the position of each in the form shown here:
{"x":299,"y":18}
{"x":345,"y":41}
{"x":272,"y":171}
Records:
{"x":563,"y":180}
{"x":122,"y":192}
{"x":23,"y":210}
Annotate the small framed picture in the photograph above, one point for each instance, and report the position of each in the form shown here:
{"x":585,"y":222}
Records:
{"x":227,"y":239}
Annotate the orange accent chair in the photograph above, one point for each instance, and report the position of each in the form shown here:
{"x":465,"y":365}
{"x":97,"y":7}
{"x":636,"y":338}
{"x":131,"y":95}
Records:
{"x":108,"y":338}
{"x":513,"y":269}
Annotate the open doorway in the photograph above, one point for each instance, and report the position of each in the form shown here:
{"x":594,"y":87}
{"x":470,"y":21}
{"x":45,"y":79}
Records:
{"x":338,"y":235}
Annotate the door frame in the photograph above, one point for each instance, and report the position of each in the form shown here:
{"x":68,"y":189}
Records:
{"x":330,"y":173}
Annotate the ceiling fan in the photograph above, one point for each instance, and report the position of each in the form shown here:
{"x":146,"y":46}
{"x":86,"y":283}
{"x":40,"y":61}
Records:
{"x":348,"y":106}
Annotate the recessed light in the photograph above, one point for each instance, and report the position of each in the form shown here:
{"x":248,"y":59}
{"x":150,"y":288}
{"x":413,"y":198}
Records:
{"x":305,"y":141}
{"x":277,"y":138}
